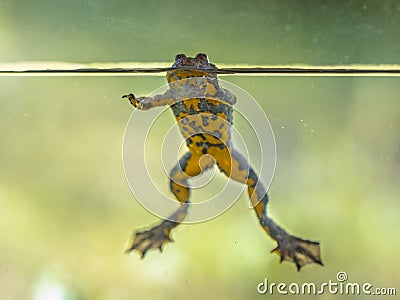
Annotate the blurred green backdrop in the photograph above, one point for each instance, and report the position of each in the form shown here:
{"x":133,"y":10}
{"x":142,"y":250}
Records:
{"x":66,"y":211}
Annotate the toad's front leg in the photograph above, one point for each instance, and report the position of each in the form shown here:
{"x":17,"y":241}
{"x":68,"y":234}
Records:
{"x":136,"y":102}
{"x":145,"y":103}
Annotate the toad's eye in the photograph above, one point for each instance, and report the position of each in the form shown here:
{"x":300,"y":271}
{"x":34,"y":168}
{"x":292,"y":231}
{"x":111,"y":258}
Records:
{"x":180,"y":56}
{"x":202,"y":57}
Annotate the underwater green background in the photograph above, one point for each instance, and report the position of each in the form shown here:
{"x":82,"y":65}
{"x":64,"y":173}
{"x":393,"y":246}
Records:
{"x":66,"y":211}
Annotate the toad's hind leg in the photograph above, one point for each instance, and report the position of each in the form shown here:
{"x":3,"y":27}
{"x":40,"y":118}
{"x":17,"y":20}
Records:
{"x":290,"y":248}
{"x":157,"y":236}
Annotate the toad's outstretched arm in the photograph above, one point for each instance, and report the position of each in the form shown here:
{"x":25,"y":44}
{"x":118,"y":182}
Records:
{"x":145,"y":103}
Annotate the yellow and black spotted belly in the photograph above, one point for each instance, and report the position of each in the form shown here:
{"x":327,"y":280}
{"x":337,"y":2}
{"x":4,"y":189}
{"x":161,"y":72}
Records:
{"x":204,"y":112}
{"x":204,"y":122}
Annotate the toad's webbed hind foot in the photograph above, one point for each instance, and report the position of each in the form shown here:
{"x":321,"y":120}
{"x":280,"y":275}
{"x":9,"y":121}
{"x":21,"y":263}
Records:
{"x":293,"y":249}
{"x":154,"y":238}
{"x":299,"y":251}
